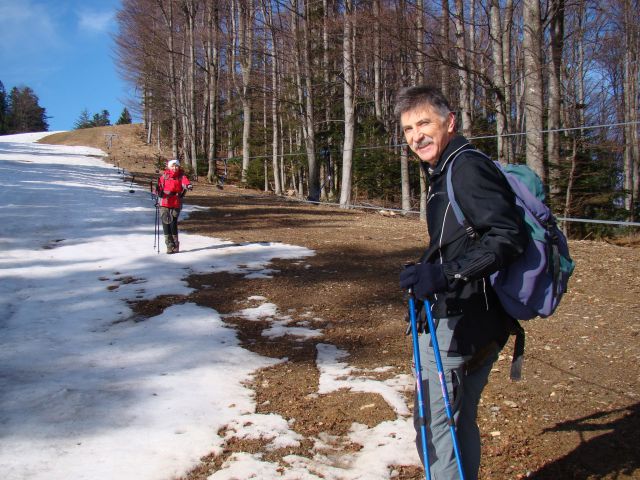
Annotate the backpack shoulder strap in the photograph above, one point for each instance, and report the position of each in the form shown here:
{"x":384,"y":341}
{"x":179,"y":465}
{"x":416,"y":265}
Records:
{"x":452,"y":196}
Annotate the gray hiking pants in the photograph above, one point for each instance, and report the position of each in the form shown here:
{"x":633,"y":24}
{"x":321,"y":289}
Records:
{"x":464,"y":394}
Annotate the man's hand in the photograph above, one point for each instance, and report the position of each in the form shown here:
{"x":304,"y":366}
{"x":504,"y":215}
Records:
{"x":425,"y":279}
{"x":189,"y":187}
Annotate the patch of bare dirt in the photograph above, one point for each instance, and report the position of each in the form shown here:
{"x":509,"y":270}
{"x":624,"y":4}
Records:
{"x":575,"y":415}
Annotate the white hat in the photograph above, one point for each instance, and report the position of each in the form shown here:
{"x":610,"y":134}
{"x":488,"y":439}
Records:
{"x":173,"y":162}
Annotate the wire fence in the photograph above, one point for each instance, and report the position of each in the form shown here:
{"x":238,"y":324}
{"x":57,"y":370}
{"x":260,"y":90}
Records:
{"x":394,"y":148}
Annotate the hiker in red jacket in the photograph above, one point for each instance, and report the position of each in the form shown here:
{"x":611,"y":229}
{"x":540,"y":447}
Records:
{"x":172,"y":186}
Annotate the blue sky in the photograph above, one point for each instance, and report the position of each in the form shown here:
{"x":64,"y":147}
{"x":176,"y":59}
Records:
{"x":64,"y":51}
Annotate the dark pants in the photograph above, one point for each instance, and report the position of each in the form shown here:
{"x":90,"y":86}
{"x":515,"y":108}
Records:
{"x":169,"y":218}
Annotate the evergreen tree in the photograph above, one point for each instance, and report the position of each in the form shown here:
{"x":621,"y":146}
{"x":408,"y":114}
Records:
{"x":25,"y":113}
{"x":4,"y":109}
{"x":84,"y":121}
{"x":101,"y":119}
{"x":125,"y":118}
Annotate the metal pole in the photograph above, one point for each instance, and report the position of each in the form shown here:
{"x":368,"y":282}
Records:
{"x":443,"y":386}
{"x":418,"y":368}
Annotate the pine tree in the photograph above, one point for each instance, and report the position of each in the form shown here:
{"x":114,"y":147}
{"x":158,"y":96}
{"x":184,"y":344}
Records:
{"x":4,"y":109}
{"x":125,"y":117}
{"x":101,"y":119}
{"x":25,"y":114}
{"x":84,"y":121}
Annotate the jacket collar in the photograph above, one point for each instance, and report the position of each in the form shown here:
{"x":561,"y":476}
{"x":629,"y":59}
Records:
{"x":456,"y":144}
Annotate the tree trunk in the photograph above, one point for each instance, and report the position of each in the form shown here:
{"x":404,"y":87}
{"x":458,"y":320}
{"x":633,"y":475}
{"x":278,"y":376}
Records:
{"x":418,"y":74}
{"x":423,"y":195}
{"x":242,"y":16}
{"x":377,"y":62}
{"x":190,"y":10}
{"x":183,"y":107}
{"x":506,"y":62}
{"x":462,"y":48}
{"x":404,"y":175}
{"x":533,"y":87}
{"x":419,"y":79}
{"x":326,"y":19}
{"x":275,"y":141}
{"x":498,"y":78}
{"x":570,"y":181}
{"x":310,"y":126}
{"x":472,"y":59}
{"x":444,"y":66}
{"x":212,"y":55}
{"x":630,"y":100}
{"x":172,"y":75}
{"x":349,"y":107}
{"x":555,"y":96}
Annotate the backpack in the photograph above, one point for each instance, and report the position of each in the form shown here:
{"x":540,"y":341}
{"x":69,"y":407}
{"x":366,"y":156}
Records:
{"x":532,"y":285}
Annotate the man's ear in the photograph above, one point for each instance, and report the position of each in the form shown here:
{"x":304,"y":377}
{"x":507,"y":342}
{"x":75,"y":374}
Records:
{"x":451,"y":122}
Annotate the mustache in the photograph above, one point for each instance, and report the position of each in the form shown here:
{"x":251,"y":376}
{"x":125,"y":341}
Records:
{"x":423,"y":143}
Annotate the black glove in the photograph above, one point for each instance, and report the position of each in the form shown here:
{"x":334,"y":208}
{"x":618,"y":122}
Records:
{"x":421,"y":319}
{"x":425,"y":279}
{"x":189,"y":187}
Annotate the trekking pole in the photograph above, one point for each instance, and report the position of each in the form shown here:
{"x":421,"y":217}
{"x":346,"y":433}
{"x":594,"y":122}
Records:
{"x":443,"y":386}
{"x":156,"y":225}
{"x":156,"y":242}
{"x":418,"y":368}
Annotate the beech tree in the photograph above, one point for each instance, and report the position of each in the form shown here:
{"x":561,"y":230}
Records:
{"x":533,"y":94}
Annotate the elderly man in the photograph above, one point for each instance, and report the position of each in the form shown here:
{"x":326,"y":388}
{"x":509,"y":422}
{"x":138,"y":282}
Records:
{"x":454,"y":274}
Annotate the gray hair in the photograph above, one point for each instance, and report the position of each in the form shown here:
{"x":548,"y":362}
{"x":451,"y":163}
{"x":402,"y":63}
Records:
{"x":410,"y":98}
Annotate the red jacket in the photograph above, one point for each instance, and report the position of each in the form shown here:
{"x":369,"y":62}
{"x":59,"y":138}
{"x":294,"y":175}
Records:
{"x":171,"y":188}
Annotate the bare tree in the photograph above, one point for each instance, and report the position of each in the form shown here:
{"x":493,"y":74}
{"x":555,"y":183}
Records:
{"x":556,"y":27}
{"x":444,"y":32}
{"x":190,"y":10}
{"x":533,"y":86}
{"x":377,"y":61}
{"x":212,"y":59}
{"x":497,"y":39}
{"x":309,"y":126}
{"x":462,"y":49}
{"x":243,"y":14}
{"x":631,"y":79}
{"x":167,"y":15}
{"x":198,"y":66}
{"x":349,"y":106}
{"x":267,"y":13}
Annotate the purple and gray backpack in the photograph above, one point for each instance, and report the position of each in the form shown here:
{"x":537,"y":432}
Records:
{"x":533,"y":285}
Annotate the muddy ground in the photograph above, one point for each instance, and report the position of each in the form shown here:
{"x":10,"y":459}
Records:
{"x":575,"y":414}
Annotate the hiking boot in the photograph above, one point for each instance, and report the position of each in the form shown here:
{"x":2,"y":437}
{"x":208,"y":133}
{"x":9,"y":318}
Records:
{"x":176,"y":244}
{"x":168,"y":241}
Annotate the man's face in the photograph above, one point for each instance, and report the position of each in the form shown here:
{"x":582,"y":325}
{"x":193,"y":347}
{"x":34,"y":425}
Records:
{"x":427,"y":133}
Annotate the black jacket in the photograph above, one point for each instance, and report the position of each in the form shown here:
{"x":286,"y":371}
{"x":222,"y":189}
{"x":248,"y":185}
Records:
{"x":488,"y":204}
